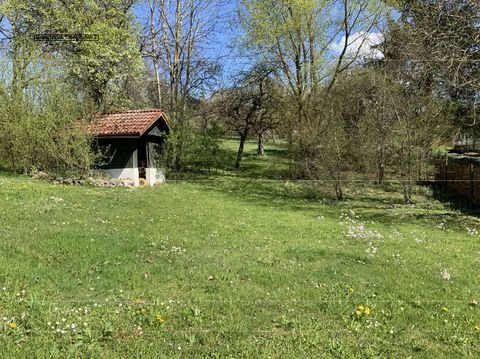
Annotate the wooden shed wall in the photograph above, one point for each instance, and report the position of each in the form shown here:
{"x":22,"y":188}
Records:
{"x":121,"y":152}
{"x":461,"y":175}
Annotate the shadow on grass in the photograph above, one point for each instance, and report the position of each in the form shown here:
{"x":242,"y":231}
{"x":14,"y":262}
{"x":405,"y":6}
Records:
{"x":372,"y":204}
{"x":269,"y":192}
{"x":263,"y":181}
{"x":5,"y":172}
{"x":273,"y":166}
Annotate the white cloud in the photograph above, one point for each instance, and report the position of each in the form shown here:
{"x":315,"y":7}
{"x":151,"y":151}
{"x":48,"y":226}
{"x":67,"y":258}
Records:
{"x":361,"y":42}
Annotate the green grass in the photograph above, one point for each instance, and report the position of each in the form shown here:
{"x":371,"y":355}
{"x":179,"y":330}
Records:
{"x":240,"y":265}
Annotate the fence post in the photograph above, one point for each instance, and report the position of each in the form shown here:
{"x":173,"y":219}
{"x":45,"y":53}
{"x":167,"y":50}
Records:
{"x":472,"y":182}
{"x":445,"y":177}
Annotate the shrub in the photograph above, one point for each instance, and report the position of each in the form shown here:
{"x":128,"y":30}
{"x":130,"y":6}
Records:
{"x":44,"y":133}
{"x":193,"y":150}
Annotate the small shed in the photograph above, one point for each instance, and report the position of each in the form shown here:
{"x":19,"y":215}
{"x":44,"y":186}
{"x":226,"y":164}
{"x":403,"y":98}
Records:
{"x":133,"y":141}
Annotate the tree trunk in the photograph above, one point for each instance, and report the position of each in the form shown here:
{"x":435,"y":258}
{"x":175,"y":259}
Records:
{"x":261,"y":147}
{"x":380,"y":167}
{"x":381,"y":173}
{"x":407,"y":192}
{"x":241,"y":146}
{"x":406,"y":183}
{"x":154,"y":52}
{"x":179,"y":149}
{"x":338,"y":189}
{"x":159,"y":86}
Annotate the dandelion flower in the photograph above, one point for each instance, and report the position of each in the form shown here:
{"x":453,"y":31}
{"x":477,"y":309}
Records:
{"x":444,"y":309}
{"x":361,"y":311}
{"x":159,"y":318}
{"x":13,"y":324}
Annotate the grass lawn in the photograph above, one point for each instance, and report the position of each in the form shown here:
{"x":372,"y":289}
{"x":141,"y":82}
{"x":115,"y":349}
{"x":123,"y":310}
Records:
{"x":243,"y":265}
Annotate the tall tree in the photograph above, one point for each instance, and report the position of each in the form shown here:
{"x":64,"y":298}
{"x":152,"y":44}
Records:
{"x":99,"y":67}
{"x":20,"y":20}
{"x":248,"y":107}
{"x":436,"y":44}
{"x":176,"y":39}
{"x":297,"y":37}
{"x":150,"y":47}
{"x":102,"y":66}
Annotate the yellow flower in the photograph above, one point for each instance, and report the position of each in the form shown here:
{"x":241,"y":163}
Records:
{"x":350,"y":290}
{"x":444,"y":309}
{"x":159,"y":318}
{"x":361,"y":307}
{"x":12,"y":325}
{"x":367,"y":311}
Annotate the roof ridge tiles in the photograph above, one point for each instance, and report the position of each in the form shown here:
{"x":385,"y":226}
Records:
{"x":131,"y":111}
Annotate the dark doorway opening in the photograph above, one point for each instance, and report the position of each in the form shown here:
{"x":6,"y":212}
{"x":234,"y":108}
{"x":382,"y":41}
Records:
{"x":142,"y":159}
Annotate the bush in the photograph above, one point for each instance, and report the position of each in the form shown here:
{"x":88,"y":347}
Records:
{"x":44,"y":133}
{"x":192,"y":150}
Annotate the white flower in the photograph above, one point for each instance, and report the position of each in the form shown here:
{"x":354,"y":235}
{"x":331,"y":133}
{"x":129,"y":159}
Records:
{"x":472,"y":231}
{"x":371,"y":250}
{"x":445,"y":274}
{"x":442,"y":225}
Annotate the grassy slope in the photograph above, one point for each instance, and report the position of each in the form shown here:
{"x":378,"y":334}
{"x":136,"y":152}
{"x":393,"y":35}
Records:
{"x":237,"y":267}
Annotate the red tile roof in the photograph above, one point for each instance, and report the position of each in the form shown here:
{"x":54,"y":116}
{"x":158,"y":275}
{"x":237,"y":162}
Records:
{"x":128,"y":123}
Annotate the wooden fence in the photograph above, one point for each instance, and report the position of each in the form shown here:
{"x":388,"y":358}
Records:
{"x":459,"y":175}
